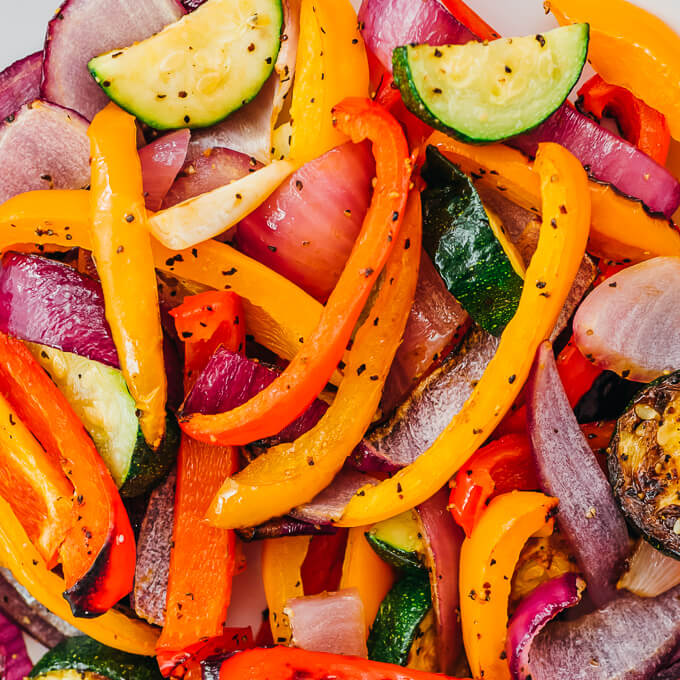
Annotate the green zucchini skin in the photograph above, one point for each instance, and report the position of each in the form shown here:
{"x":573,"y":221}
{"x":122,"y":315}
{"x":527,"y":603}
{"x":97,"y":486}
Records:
{"x":399,"y":541}
{"x":483,"y":93}
{"x":458,"y":237}
{"x":86,"y":655}
{"x":398,"y":619}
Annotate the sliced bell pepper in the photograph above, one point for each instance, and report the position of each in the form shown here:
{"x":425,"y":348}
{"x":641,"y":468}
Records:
{"x":33,"y":484}
{"x":487,"y":562}
{"x":331,"y":65}
{"x":566,"y":220}
{"x":632,"y":48}
{"x":621,"y":229}
{"x":599,"y":434}
{"x":503,"y":465}
{"x":285,"y":663}
{"x":322,"y":568}
{"x":278,"y":313}
{"x":290,"y":474}
{"x":275,"y":407}
{"x":98,"y":554}
{"x":365,"y":571}
{"x":202,"y":561}
{"x":113,"y":628}
{"x":282,"y":560}
{"x":640,"y":124}
{"x":576,"y":372}
{"x":122,"y":249}
{"x":469,"y":18}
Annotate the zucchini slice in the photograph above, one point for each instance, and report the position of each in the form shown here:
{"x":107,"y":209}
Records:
{"x":399,"y":541}
{"x":198,"y":70}
{"x":100,"y":398}
{"x":397,"y":624}
{"x":487,"y":92}
{"x":82,"y":658}
{"x":468,"y":246}
{"x":643,"y":461}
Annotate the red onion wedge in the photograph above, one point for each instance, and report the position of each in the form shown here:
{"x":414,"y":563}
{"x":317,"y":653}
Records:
{"x":191,"y":5}
{"x":306,"y":229}
{"x":20,"y":84}
{"x":161,"y":161}
{"x":650,"y":572}
{"x":534,"y":613}
{"x":43,"y":147}
{"x":443,"y":540}
{"x":211,"y":169}
{"x":279,"y":527}
{"x":630,"y":324}
{"x":14,"y":661}
{"x":82,"y":29}
{"x":386,"y":24}
{"x":607,"y":158}
{"x":589,"y":517}
{"x":629,"y":639}
{"x":330,"y":622}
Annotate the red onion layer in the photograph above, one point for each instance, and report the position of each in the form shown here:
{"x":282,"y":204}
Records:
{"x":14,"y":661}
{"x":20,"y":84}
{"x":161,"y":161}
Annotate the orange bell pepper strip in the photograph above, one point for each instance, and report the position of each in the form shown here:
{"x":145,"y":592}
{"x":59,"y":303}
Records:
{"x":285,"y":663}
{"x":202,"y":561}
{"x":282,"y":560}
{"x":122,"y":249}
{"x":632,"y":48}
{"x":98,"y":554}
{"x":640,"y":124}
{"x":18,"y":554}
{"x":564,"y":231}
{"x":469,"y":18}
{"x":331,"y":65}
{"x":33,"y":484}
{"x":620,"y":229}
{"x":278,"y":313}
{"x":504,"y":465}
{"x":275,"y":407}
{"x":291,"y":474}
{"x":487,"y":562}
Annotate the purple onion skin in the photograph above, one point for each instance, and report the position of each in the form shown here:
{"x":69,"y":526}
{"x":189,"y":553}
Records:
{"x":20,"y":84}
{"x":14,"y":661}
{"x":607,"y":158}
{"x":567,"y":468}
{"x":535,"y":611}
{"x":284,"y":526}
{"x":670,"y":673}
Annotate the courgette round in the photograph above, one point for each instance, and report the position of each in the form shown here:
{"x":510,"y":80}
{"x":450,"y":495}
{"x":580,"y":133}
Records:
{"x":399,"y":541}
{"x":643,"y":460}
{"x":487,"y":92}
{"x":82,"y":658}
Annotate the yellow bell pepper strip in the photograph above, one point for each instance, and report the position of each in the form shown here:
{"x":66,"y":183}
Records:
{"x":487,"y":562}
{"x":276,"y":406}
{"x":365,"y":571}
{"x":621,"y":229}
{"x":564,"y":231}
{"x":27,"y":566}
{"x":292,"y":474}
{"x":331,"y":65}
{"x":632,"y":48}
{"x":122,"y":250}
{"x":282,"y":560}
{"x":34,"y":485}
{"x":278,"y":313}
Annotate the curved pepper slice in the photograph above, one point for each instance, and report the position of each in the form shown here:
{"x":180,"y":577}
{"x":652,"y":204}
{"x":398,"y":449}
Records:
{"x":632,"y":48}
{"x":285,"y":663}
{"x":621,"y":229}
{"x":566,"y":211}
{"x":278,"y":313}
{"x":122,"y":249}
{"x":487,"y":562}
{"x":27,"y":566}
{"x":469,"y":18}
{"x":291,"y":474}
{"x":98,"y":553}
{"x":290,"y":394}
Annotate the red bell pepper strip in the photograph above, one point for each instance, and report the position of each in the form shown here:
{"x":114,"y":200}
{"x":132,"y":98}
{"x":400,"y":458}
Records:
{"x":503,"y":465}
{"x":322,"y":567}
{"x":470,"y":19}
{"x":98,"y":554}
{"x":290,"y":394}
{"x":640,"y":124}
{"x":289,"y":663}
{"x":203,"y":558}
